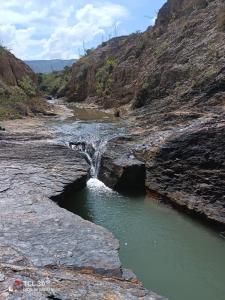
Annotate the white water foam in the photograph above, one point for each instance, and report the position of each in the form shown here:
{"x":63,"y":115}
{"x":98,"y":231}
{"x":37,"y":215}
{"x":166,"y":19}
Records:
{"x":96,"y":184}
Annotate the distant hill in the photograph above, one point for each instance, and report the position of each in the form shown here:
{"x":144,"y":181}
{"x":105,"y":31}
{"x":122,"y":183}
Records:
{"x":48,"y":66}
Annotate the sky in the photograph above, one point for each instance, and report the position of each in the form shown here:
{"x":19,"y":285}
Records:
{"x":50,"y":29}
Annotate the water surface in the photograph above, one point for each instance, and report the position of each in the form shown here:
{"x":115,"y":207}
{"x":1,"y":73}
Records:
{"x":170,"y":253}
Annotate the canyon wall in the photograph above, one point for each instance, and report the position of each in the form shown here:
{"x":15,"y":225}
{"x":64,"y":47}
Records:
{"x":170,"y":81}
{"x":179,"y":57}
{"x":19,"y":95}
{"x":13,"y":70}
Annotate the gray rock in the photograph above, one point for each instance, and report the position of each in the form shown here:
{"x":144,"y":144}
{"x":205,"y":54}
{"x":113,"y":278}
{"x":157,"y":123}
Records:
{"x":35,"y":225}
{"x":2,"y":277}
{"x":67,"y":283}
{"x":39,"y":241}
{"x":119,"y":169}
{"x":189,"y":170}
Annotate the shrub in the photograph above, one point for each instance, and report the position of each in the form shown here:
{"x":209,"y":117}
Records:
{"x":3,"y":49}
{"x":9,"y":103}
{"x":104,"y":76}
{"x":16,"y":104}
{"x":27,"y":86}
{"x":51,"y":83}
{"x":162,"y":48}
{"x":88,"y":51}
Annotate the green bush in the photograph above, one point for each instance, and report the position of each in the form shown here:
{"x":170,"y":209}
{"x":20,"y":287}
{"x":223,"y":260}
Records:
{"x":16,"y":104}
{"x":12,"y":104}
{"x":27,"y":86}
{"x":51,"y":83}
{"x":104,"y":78}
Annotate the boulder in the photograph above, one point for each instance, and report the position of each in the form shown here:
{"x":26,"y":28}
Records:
{"x":119,"y":169}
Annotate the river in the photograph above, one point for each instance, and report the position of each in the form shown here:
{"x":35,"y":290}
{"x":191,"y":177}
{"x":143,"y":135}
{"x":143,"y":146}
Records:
{"x":170,"y":252}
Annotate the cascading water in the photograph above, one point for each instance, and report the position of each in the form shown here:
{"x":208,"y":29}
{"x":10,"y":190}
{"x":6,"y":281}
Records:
{"x":98,"y":156}
{"x":92,"y":153}
{"x":89,"y":138}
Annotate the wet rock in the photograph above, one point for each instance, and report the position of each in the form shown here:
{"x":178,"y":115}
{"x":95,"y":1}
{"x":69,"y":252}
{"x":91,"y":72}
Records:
{"x":119,"y":169}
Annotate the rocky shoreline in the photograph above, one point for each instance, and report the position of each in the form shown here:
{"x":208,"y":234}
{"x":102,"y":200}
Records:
{"x":41,"y":242}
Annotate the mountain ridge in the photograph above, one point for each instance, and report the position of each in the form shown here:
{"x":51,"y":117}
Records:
{"x":49,"y":65}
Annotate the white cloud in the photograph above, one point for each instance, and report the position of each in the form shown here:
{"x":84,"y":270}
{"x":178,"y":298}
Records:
{"x":35,"y":29}
{"x":90,"y":21}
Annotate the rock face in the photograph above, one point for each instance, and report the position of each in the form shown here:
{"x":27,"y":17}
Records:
{"x":172,"y":80}
{"x":119,"y":168}
{"x":183,"y":164}
{"x":13,"y":70}
{"x":178,"y":58}
{"x":189,"y":169}
{"x":19,"y":95}
{"x":41,"y":242}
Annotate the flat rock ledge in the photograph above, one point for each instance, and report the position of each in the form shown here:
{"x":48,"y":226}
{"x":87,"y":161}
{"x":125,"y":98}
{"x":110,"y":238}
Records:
{"x":46,"y":251}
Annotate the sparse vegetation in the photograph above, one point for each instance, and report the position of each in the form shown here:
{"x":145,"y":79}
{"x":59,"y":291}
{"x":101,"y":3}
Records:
{"x":211,"y":72}
{"x":18,"y":95}
{"x":162,"y":48}
{"x":88,"y":51}
{"x":221,"y":18}
{"x":3,"y":48}
{"x":17,"y":104}
{"x":27,"y":85}
{"x":104,"y":76}
{"x":51,"y":83}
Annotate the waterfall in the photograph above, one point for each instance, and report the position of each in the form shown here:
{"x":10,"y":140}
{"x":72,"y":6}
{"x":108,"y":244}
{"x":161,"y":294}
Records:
{"x":97,"y":157}
{"x":92,"y":153}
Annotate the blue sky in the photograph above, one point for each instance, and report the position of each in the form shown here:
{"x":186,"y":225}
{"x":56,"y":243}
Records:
{"x":40,"y":29}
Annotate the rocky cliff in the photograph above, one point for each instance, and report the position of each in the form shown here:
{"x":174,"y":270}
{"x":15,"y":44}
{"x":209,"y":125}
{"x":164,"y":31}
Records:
{"x":18,"y":88}
{"x":171,"y":79}
{"x":181,"y":55}
{"x":13,"y":70}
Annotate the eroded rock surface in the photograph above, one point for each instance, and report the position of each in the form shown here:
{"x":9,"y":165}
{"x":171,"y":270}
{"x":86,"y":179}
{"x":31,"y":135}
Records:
{"x":119,"y":169}
{"x":12,"y":70}
{"x":185,"y":164}
{"x":189,"y":169}
{"x":66,"y":283}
